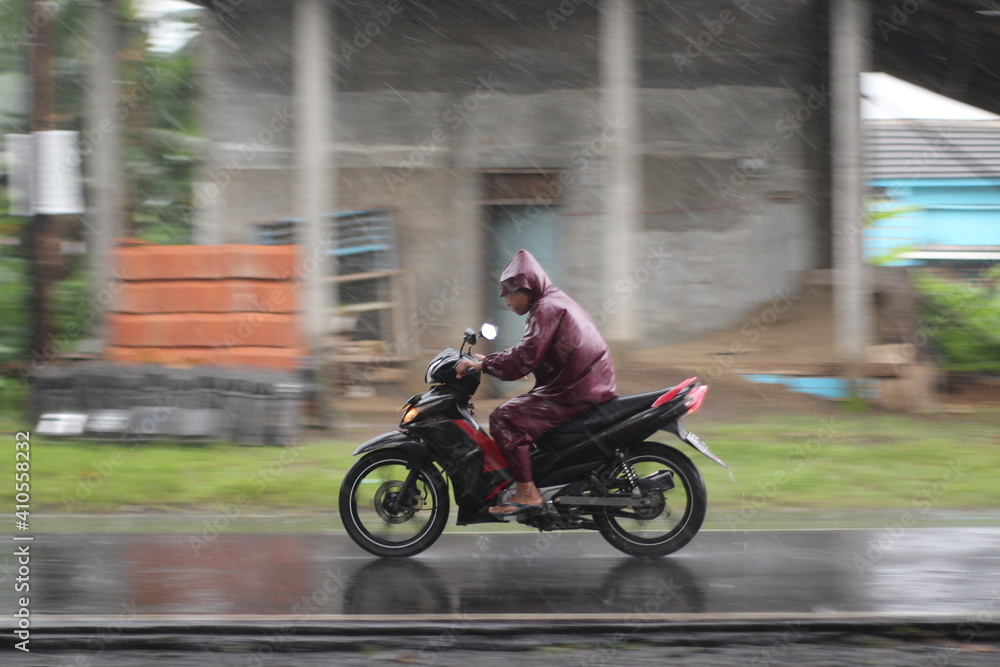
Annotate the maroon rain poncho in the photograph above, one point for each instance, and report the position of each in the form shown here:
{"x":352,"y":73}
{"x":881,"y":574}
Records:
{"x":563,"y":348}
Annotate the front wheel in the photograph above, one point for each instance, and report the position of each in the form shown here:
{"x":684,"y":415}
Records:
{"x":391,"y":506}
{"x":670,"y":517}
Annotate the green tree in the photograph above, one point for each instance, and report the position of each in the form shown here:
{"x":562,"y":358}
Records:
{"x":963,"y":318}
{"x":157,"y":106}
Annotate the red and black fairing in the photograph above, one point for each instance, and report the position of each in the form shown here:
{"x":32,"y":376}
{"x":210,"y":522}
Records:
{"x":470,"y":458}
{"x":439,"y":426}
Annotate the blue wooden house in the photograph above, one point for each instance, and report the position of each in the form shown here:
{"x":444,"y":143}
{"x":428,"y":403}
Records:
{"x":944,"y":178}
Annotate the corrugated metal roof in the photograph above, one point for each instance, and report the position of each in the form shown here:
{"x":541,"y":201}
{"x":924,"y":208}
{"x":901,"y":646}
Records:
{"x":932,"y":149}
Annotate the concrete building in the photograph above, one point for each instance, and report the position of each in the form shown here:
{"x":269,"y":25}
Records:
{"x":667,"y":161}
{"x":672,"y":162}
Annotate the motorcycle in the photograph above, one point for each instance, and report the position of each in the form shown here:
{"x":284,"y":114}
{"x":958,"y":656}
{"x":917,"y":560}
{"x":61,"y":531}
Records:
{"x":597,"y":472}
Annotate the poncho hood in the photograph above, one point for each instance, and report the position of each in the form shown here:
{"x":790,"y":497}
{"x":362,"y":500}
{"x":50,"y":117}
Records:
{"x":524,"y":272}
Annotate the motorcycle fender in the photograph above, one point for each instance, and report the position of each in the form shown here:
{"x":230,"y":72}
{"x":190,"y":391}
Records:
{"x":396,"y":439}
{"x":693,"y":440}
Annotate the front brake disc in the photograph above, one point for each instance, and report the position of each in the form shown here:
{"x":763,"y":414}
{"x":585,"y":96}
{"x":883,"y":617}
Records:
{"x":386,"y":496}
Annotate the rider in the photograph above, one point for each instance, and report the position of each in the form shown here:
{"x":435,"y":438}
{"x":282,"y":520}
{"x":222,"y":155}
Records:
{"x":571,"y":363}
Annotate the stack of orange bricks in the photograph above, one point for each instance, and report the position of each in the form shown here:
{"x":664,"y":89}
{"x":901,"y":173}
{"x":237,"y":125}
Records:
{"x":222,"y":305}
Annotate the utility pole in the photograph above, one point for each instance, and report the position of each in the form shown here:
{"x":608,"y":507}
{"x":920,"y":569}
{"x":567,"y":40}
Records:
{"x":42,"y":244}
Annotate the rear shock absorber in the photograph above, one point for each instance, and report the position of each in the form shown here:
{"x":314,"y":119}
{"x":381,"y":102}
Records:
{"x":633,"y":477}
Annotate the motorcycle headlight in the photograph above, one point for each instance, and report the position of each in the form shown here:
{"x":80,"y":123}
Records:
{"x":410,"y":415}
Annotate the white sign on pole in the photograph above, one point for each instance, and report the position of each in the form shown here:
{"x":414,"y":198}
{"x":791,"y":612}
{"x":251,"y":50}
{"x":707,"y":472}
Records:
{"x":59,"y":189}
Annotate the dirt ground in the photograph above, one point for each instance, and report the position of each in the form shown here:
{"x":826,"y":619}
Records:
{"x":786,"y":333}
{"x":789,"y":336}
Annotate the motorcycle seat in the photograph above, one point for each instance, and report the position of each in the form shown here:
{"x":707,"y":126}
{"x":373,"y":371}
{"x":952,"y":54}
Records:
{"x":602,"y":416}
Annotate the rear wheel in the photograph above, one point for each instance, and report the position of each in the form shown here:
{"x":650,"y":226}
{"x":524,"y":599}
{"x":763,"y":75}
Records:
{"x":392,"y":507}
{"x":669,"y":518}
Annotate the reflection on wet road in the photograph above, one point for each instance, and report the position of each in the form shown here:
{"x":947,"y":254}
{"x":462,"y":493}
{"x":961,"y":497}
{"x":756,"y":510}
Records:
{"x":916,"y":571}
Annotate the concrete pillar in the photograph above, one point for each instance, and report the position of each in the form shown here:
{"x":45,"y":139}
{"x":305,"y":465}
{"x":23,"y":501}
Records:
{"x":315,"y":163}
{"x":619,"y":136}
{"x":102,"y":138}
{"x":850,"y":43}
{"x":208,"y":227}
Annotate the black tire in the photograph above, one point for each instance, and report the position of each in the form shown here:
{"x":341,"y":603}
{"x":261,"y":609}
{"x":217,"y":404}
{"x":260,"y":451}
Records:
{"x":367,"y":493}
{"x":670,"y":523}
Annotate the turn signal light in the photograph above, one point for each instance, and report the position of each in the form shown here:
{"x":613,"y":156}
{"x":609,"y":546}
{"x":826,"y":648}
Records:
{"x":410,"y":415}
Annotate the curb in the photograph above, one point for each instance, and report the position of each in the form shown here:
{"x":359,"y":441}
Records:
{"x":491,"y":632}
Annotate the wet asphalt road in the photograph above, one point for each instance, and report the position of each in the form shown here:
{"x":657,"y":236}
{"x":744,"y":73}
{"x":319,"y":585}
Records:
{"x":770,"y":597}
{"x":721,"y":573}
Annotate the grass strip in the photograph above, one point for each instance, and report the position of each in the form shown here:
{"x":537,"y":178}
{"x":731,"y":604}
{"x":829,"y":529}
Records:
{"x":836,"y":462}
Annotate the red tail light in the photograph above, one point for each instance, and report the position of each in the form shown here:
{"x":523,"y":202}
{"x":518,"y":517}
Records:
{"x":694,"y":399}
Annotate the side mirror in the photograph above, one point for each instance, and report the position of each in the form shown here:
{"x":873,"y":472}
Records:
{"x":489,"y":331}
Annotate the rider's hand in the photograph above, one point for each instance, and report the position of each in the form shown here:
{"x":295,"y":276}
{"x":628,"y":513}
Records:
{"x":463,"y":366}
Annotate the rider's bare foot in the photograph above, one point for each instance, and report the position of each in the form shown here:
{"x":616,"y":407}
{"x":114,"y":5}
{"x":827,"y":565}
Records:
{"x":526,"y":494}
